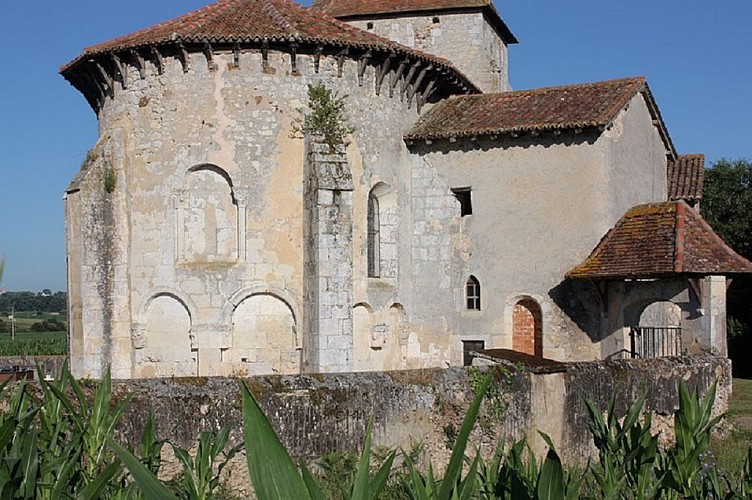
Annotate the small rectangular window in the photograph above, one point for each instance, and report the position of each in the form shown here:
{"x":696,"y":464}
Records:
{"x":464,"y":199}
{"x":467,"y":347}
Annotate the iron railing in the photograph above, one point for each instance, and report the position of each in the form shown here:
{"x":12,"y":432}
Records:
{"x":656,"y":341}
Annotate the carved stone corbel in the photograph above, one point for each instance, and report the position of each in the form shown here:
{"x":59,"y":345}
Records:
{"x":140,"y":64}
{"x":138,"y":335}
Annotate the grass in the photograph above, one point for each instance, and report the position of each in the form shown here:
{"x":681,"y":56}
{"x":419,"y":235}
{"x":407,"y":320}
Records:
{"x":24,"y":320}
{"x":730,"y":450}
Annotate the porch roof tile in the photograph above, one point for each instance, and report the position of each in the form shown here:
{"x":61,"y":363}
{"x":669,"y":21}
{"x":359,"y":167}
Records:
{"x":685,"y":177}
{"x":660,"y":240}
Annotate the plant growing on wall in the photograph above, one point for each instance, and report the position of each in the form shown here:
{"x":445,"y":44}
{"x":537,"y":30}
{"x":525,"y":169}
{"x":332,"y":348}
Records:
{"x":325,"y":117}
{"x":110,"y":179}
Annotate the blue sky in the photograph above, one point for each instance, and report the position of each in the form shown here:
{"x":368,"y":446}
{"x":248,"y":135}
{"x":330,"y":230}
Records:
{"x":697,"y":56}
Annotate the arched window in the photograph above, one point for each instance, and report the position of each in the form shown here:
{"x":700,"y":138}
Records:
{"x":527,"y":328}
{"x":208,"y":217}
{"x":374,"y":238}
{"x":472,"y":293}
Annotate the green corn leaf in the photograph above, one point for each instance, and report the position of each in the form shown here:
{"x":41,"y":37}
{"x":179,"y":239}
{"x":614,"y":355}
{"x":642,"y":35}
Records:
{"x":221,"y":441}
{"x":83,"y":403}
{"x":360,"y":485}
{"x":272,"y":471}
{"x":382,"y":476}
{"x":188,"y":472}
{"x":151,"y":447}
{"x":551,"y":477}
{"x":7,"y":430}
{"x":431,"y":482}
{"x":96,"y":488}
{"x":634,"y":412}
{"x":29,"y":464}
{"x":418,"y":489}
{"x":74,"y":412}
{"x":114,"y":417}
{"x":467,"y":486}
{"x":314,"y":491}
{"x":62,"y":482}
{"x":454,"y":469}
{"x":150,"y":486}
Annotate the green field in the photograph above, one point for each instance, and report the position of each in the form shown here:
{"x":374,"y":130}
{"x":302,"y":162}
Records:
{"x":34,"y":344}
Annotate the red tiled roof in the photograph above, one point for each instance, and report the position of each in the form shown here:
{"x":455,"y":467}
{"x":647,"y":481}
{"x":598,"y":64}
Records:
{"x":685,"y":177}
{"x":660,"y":240}
{"x":550,"y":108}
{"x":251,"y":21}
{"x":345,"y":9}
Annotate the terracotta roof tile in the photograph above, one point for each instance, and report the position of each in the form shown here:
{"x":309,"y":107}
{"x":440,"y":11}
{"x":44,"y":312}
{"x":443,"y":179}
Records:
{"x":660,"y":240}
{"x":685,"y":177}
{"x":345,"y":9}
{"x":247,"y":21}
{"x":529,"y":362}
{"x":565,"y":107}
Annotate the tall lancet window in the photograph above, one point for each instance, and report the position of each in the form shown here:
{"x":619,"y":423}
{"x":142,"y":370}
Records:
{"x":374,"y":238}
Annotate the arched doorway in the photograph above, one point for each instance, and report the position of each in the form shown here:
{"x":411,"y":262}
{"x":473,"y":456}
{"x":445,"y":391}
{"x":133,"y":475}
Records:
{"x":527,"y":328}
{"x":264,"y":338}
{"x":657,"y":332}
{"x":168,"y":352}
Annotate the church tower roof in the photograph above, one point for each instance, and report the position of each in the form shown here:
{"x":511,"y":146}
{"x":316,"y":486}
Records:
{"x":230,"y":22}
{"x":353,"y":9}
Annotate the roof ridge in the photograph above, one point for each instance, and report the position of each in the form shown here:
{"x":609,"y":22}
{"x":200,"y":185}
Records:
{"x":679,"y":236}
{"x":729,"y":251}
{"x":551,"y":88}
{"x":268,"y":7}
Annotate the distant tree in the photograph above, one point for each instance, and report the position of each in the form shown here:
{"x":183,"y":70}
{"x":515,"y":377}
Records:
{"x":48,"y":325}
{"x":30,"y":301}
{"x":727,"y":203}
{"x":727,"y":206}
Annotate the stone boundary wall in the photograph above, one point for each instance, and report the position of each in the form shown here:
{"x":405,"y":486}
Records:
{"x":315,"y":414}
{"x":51,"y":365}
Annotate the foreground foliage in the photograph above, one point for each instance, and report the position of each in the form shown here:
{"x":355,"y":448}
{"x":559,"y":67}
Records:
{"x":57,"y":441}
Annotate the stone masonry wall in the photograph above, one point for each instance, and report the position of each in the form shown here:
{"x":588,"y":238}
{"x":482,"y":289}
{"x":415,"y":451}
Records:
{"x":189,"y":266}
{"x":465,"y":39}
{"x":315,"y":414}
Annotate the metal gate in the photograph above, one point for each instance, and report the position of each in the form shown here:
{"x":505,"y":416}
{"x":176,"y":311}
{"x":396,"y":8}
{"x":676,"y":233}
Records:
{"x":655,"y":341}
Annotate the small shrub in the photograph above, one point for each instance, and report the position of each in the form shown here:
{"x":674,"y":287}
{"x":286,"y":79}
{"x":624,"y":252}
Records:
{"x":325,"y":118}
{"x":110,"y":179}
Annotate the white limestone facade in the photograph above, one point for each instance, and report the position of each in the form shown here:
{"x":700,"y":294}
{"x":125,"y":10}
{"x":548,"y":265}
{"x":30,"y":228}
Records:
{"x":208,"y":236}
{"x":467,"y":39}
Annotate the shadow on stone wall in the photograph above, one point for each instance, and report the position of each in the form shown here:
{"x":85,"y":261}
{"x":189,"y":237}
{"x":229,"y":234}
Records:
{"x":315,"y":414}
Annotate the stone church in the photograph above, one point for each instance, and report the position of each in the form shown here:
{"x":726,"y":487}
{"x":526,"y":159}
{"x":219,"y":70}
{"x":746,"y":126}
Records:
{"x":207,"y":236}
